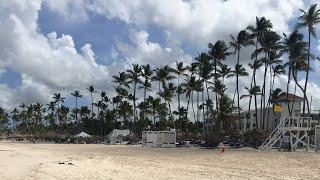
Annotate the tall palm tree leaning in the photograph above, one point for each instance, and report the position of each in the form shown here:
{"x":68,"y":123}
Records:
{"x":309,"y":19}
{"x":242,"y":40}
{"x":270,"y":46}
{"x":297,"y":52}
{"x":262,"y":25}
{"x":77,"y":95}
{"x":91,"y":91}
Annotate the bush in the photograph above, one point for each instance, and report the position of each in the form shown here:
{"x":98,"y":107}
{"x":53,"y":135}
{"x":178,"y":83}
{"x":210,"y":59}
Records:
{"x":254,"y":138}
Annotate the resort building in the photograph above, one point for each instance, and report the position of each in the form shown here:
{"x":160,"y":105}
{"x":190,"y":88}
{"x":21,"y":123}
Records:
{"x":273,"y":114}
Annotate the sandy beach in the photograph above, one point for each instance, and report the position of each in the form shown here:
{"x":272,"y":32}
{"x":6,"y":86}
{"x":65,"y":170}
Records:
{"x":88,"y":161}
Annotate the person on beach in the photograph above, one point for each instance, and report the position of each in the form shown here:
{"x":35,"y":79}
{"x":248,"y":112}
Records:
{"x":280,"y":143}
{"x":286,"y":142}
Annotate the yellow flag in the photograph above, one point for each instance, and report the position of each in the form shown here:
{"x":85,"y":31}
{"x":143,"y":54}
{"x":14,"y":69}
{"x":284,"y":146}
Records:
{"x":277,"y":108}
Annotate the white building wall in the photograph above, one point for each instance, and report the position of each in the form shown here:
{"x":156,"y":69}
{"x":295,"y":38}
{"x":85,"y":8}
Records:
{"x":271,"y":120}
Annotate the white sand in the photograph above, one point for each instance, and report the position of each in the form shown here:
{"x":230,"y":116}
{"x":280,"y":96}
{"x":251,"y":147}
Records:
{"x":40,"y":161}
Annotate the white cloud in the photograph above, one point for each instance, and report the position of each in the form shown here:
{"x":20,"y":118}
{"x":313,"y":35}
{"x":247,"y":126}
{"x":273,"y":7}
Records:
{"x":143,"y":51}
{"x":198,"y":21}
{"x":73,"y":10}
{"x":47,"y":64}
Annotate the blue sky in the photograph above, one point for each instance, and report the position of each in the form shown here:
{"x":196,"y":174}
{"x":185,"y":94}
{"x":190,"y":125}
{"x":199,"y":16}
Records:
{"x":52,"y":46}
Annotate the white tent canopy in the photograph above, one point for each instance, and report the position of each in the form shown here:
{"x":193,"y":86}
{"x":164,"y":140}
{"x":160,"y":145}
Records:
{"x":82,"y":135}
{"x":117,"y":135}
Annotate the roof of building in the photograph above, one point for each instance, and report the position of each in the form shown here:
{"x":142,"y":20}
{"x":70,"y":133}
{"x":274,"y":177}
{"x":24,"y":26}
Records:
{"x":290,"y":97}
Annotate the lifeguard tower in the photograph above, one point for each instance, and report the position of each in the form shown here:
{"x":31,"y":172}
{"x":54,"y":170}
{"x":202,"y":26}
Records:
{"x":298,"y":129}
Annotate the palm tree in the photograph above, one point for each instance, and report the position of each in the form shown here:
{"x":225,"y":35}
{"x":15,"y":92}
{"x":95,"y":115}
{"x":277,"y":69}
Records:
{"x":179,"y":70}
{"x":14,"y":117}
{"x":254,"y":91}
{"x":242,"y":40}
{"x":205,"y":68}
{"x":121,"y":80}
{"x":91,"y":91}
{"x":224,"y":71}
{"x":163,"y":74}
{"x":191,"y":85}
{"x":125,"y":110}
{"x":154,"y":103}
{"x":272,"y":60}
{"x":256,"y":65}
{"x":296,"y":49}
{"x":146,"y":85}
{"x":58,"y":100}
{"x":134,"y":76}
{"x":219,"y":52}
{"x":309,"y":20}
{"x":182,"y":120}
{"x":4,"y":119}
{"x":224,"y":119}
{"x":261,"y":26}
{"x":52,"y":107}
{"x":167,"y":94}
{"x":239,"y":71}
{"x":270,"y":45}
{"x":77,"y":95}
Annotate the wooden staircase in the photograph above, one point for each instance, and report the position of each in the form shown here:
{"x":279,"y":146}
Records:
{"x":275,"y":135}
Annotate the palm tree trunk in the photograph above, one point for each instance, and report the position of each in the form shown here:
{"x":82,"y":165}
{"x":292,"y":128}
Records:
{"x":178,"y":93}
{"x":188,"y":104}
{"x":307,"y":77}
{"x":208,"y":96}
{"x":92,"y":124}
{"x":194,"y":114}
{"x":269,"y":99}
{"x":197,"y":106}
{"x":76,"y":110}
{"x":144,"y":102}
{"x":215,"y":78}
{"x":263,"y":100}
{"x":255,"y":84}
{"x":203,"y":120}
{"x":134,"y":101}
{"x":288,"y":84}
{"x":238,"y":94}
{"x":91,"y":104}
{"x":301,"y":88}
{"x":159,"y":91}
{"x":207,"y":90}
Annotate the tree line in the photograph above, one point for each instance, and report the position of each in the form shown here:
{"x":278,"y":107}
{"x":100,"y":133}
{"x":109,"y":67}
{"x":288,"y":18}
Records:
{"x":145,"y":96}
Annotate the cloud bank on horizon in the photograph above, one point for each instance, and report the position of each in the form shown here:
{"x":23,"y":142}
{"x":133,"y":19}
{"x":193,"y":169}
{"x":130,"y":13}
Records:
{"x":50,"y":63}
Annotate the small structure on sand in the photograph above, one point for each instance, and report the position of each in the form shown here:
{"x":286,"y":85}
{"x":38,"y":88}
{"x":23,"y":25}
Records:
{"x":298,"y":130}
{"x":159,"y":138}
{"x":82,"y":135}
{"x":117,"y":135}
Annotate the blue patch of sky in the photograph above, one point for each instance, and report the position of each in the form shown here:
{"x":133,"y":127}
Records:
{"x":98,"y":31}
{"x":11,"y":78}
